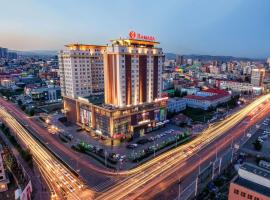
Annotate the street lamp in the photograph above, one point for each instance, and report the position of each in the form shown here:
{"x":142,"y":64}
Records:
{"x":179,"y":189}
{"x":196,"y":189}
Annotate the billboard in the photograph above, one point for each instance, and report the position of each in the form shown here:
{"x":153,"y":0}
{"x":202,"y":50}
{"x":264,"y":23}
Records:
{"x":85,"y":116}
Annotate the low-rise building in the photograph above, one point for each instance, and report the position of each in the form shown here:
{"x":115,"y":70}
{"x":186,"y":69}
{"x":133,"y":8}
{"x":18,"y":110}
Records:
{"x":7,"y":83}
{"x":46,"y":94}
{"x":176,"y":104}
{"x":207,"y":99}
{"x":252,"y":182}
{"x":235,"y":86}
{"x":181,"y":119}
{"x":3,"y":179}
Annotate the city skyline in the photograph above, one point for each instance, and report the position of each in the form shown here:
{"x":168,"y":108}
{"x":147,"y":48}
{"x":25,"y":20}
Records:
{"x":234,"y":28}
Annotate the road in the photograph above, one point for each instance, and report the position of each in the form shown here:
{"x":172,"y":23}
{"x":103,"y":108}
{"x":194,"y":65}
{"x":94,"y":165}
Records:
{"x":168,"y":188}
{"x":62,"y":182}
{"x":140,"y":179}
{"x":144,"y":177}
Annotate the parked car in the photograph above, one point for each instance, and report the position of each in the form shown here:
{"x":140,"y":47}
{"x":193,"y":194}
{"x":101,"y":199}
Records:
{"x":132,"y":146}
{"x":142,"y":141}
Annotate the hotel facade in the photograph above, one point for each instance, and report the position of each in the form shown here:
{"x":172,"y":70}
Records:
{"x":132,"y":104}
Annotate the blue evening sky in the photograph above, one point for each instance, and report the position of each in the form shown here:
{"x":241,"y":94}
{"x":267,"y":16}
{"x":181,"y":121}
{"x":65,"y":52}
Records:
{"x":216,"y":27}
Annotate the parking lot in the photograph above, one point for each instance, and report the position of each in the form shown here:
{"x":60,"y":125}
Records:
{"x":122,"y":153}
{"x":262,"y":135}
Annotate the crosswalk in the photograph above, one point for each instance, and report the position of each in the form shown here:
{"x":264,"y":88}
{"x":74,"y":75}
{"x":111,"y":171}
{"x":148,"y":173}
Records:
{"x":105,"y":184}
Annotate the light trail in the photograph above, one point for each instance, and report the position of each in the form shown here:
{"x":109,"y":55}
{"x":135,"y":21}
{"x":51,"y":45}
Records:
{"x":62,"y":182}
{"x":61,"y":179}
{"x":164,"y":162}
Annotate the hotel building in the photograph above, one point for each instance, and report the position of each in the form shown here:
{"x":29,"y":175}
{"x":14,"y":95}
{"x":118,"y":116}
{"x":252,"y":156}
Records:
{"x":132,"y":103}
{"x":81,"y":70}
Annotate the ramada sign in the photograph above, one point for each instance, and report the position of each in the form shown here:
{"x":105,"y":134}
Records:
{"x":138,"y":36}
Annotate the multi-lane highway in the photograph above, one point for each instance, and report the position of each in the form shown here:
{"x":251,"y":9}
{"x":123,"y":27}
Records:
{"x":137,"y":181}
{"x":187,"y":172}
{"x":61,"y":181}
{"x":141,"y":178}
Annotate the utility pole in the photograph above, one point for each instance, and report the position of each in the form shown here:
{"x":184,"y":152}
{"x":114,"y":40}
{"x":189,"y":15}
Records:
{"x":154,"y":148}
{"x":219,"y":168}
{"x":105,"y":157}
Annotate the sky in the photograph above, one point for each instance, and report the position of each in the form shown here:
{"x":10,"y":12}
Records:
{"x":209,"y":27}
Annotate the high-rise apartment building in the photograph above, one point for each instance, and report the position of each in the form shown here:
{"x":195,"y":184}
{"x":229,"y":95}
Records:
{"x":268,"y":61}
{"x":3,"y":52}
{"x":81,"y":70}
{"x":132,"y":104}
{"x":257,"y":77}
{"x":179,"y":60}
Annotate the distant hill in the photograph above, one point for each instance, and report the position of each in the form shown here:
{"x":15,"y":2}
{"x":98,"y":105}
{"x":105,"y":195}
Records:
{"x":37,"y":53}
{"x":210,"y":57}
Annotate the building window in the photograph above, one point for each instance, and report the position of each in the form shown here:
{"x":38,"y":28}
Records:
{"x":256,"y":198}
{"x":243,"y":194}
{"x":249,"y":196}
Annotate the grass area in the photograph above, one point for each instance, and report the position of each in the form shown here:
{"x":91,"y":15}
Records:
{"x":197,"y":114}
{"x":95,"y":156}
{"x":145,"y":153}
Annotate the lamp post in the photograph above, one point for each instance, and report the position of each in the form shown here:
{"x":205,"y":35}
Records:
{"x":179,"y":189}
{"x":197,"y":179}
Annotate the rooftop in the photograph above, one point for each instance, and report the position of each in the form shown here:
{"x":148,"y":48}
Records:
{"x":215,"y":91}
{"x":256,"y":170}
{"x":252,"y":186}
{"x":137,"y":42}
{"x":83,"y":46}
{"x":206,"y":98}
{"x":94,"y":99}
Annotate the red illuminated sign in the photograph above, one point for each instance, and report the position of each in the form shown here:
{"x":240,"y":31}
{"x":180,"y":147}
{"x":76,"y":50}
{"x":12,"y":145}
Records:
{"x":138,"y":36}
{"x":132,"y":34}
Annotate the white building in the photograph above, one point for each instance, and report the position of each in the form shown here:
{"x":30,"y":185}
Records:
{"x":247,"y":69}
{"x":176,"y":104}
{"x":81,"y":70}
{"x":257,"y":77}
{"x":207,"y":99}
{"x":234,"y":86}
{"x":268,"y":61}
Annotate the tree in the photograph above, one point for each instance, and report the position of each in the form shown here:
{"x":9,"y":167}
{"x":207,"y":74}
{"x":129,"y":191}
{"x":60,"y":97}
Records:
{"x":177,"y":93}
{"x":184,"y":93}
{"x":23,"y":107}
{"x":31,"y":112}
{"x":170,"y":114}
{"x":20,"y":102}
{"x":257,"y":145}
